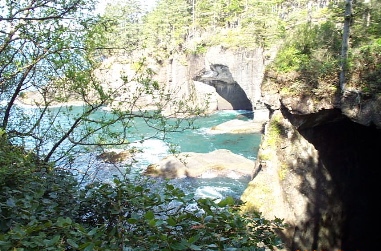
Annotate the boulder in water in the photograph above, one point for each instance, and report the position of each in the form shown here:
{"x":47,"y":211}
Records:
{"x":220,"y":162}
{"x":239,"y":126}
{"x":114,"y":156}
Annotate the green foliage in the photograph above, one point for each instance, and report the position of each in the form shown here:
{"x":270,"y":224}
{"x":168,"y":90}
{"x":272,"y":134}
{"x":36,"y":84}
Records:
{"x":276,"y":131}
{"x":289,"y":59}
{"x":366,"y":67}
{"x":15,"y":163}
{"x":48,"y":210}
{"x":310,"y":48}
{"x":122,"y":20}
{"x":166,"y":27}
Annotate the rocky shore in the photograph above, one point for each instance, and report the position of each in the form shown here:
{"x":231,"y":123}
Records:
{"x":219,"y":163}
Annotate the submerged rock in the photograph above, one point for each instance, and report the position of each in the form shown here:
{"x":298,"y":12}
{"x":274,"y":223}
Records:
{"x":114,"y":156}
{"x":220,"y":162}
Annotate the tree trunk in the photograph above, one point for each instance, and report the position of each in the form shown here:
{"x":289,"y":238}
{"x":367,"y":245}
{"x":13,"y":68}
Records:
{"x":368,"y":4}
{"x":345,"y":43}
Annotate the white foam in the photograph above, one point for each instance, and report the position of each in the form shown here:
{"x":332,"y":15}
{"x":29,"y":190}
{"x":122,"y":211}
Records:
{"x":210,"y":192}
{"x":153,"y":150}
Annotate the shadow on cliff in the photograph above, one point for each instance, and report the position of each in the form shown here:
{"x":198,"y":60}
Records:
{"x":340,"y":188}
{"x":234,"y":95}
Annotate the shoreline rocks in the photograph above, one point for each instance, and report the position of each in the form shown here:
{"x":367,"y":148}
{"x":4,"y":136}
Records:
{"x":239,"y":126}
{"x":219,"y":163}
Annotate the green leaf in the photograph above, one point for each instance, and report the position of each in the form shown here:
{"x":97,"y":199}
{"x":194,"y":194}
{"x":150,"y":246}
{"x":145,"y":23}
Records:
{"x":212,"y":246}
{"x":195,"y":247}
{"x":139,"y":189}
{"x":132,"y":221}
{"x":227,"y":201}
{"x":72,"y":243}
{"x":11,"y":202}
{"x":179,"y":246}
{"x":208,"y":218}
{"x":149,"y":215}
{"x":193,"y":239}
{"x":89,"y":246}
{"x":152,"y":222}
{"x":64,"y":221}
{"x":171,"y":221}
{"x":53,"y":241}
{"x":163,"y":237}
{"x":170,"y":187}
{"x":4,"y":243}
{"x":93,"y":231}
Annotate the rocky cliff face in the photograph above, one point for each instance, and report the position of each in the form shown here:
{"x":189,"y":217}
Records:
{"x":317,"y":168}
{"x":317,"y":165}
{"x":232,"y":77}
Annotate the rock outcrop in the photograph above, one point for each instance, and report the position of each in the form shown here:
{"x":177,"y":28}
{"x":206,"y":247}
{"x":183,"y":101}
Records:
{"x":316,"y":169}
{"x":223,"y":79}
{"x":315,"y":166}
{"x":116,"y":156}
{"x":220,"y":162}
{"x":239,"y":126}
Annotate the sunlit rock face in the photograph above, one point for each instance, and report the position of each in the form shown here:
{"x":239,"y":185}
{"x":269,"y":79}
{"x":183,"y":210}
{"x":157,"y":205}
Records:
{"x":361,"y":108}
{"x":235,"y":75}
{"x":245,"y":66}
{"x":317,"y":168}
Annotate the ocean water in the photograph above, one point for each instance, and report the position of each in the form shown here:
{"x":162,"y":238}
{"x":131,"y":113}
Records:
{"x":204,"y":140}
{"x":200,"y":140}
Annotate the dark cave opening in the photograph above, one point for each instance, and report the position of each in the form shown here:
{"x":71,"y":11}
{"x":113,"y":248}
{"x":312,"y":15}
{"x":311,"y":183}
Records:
{"x":349,"y":152}
{"x":234,"y":95}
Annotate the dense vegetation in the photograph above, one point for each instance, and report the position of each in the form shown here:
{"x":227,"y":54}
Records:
{"x":311,"y":58}
{"x":313,"y":43}
{"x":54,"y":48}
{"x":44,"y":208}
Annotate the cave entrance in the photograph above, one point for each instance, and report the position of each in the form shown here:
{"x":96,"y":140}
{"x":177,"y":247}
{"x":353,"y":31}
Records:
{"x":231,"y":94}
{"x":232,"y":97}
{"x":350,"y":153}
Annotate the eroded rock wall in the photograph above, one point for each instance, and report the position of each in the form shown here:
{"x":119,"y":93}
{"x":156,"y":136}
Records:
{"x":317,"y":169}
{"x":223,"y":78}
{"x":235,"y":75}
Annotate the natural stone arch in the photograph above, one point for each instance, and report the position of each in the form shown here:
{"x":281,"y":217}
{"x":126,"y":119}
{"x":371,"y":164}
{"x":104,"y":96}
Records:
{"x":231,"y":94}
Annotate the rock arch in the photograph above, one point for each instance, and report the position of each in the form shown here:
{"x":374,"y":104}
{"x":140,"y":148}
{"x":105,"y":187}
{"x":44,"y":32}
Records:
{"x":231,"y":94}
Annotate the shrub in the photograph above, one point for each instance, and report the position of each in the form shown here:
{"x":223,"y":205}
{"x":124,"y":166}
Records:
{"x":48,"y":210}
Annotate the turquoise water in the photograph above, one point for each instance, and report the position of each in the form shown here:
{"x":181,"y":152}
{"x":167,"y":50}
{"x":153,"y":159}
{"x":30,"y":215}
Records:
{"x":203,"y":140}
{"x":200,"y":140}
